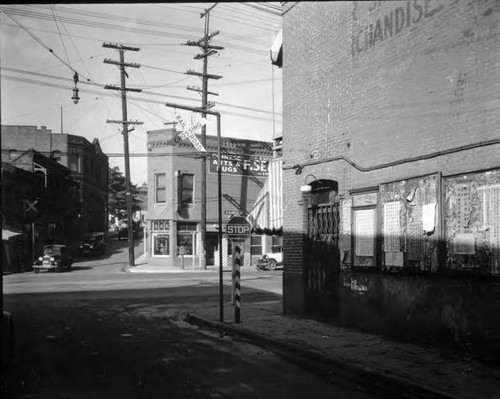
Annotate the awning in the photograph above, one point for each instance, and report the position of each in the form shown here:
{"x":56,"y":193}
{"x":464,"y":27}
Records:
{"x":266,"y":216}
{"x":6,"y":234}
{"x":277,"y":50}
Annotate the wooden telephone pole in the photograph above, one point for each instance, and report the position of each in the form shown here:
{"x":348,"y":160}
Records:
{"x":121,"y":64}
{"x":208,"y":50}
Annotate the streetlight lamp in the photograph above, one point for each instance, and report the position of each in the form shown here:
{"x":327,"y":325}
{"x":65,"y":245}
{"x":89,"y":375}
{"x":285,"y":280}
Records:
{"x":75,"y":97}
{"x":219,"y":194}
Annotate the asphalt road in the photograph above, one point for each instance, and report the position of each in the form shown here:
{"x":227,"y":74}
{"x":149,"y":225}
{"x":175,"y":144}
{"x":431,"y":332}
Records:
{"x":99,"y":332}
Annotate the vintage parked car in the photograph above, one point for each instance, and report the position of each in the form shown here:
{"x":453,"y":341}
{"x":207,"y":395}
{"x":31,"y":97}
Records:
{"x":270,"y":261}
{"x":93,"y":244}
{"x":55,"y":257}
{"x":123,"y":232}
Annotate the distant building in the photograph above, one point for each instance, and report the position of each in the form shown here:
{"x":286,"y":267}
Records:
{"x":41,"y":202}
{"x":87,"y":163}
{"x":174,"y":196}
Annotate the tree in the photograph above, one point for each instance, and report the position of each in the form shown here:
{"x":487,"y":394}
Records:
{"x":117,"y":201}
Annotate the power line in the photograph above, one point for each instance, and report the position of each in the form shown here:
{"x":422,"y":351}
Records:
{"x":258,"y":6}
{"x":93,"y":24}
{"x":249,"y":14}
{"x":101,"y":86}
{"x":109,"y":26}
{"x":59,"y":31}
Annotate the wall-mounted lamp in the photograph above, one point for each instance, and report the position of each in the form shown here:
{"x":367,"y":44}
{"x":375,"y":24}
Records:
{"x":306,"y":188}
{"x":75,"y":97}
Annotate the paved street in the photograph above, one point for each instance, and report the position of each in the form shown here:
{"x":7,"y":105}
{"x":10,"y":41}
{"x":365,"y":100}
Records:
{"x":97,"y":331}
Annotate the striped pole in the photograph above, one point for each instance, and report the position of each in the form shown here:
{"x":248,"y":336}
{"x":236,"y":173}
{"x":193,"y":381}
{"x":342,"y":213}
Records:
{"x":237,"y":295}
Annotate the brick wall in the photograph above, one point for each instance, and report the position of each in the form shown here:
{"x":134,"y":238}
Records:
{"x":377,"y":82}
{"x":15,"y":137}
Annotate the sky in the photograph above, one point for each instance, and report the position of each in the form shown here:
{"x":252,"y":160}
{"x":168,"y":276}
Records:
{"x":43,"y":44}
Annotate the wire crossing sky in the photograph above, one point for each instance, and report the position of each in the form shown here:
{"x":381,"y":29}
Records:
{"x":56,"y":40}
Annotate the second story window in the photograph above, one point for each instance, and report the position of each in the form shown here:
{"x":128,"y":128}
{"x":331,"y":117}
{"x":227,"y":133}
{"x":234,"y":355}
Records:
{"x":187,"y":189}
{"x":160,"y":187}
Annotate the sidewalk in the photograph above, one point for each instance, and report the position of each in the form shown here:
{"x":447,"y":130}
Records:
{"x":142,"y":266}
{"x":404,"y":369}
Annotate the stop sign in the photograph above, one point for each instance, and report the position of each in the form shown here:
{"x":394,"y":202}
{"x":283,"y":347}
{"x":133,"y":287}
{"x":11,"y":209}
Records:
{"x":238,"y":229}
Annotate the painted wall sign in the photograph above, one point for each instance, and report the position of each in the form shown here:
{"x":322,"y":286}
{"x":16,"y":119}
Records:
{"x":241,"y":165}
{"x":372,"y":31}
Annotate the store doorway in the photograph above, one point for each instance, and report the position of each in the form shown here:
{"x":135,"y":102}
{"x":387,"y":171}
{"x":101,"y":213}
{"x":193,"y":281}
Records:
{"x":212,"y":243}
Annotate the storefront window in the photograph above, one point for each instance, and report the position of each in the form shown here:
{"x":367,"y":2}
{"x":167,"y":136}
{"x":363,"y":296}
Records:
{"x":256,"y":245}
{"x":186,"y":238}
{"x":277,"y":244}
{"x":161,"y":244}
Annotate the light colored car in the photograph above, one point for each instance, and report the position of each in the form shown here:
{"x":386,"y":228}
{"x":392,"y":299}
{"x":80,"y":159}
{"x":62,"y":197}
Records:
{"x":270,"y":261}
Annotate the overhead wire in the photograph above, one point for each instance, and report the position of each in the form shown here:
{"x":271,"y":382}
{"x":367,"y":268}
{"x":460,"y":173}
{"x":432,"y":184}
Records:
{"x":119,"y":18}
{"x":258,"y":6}
{"x":479,"y":111}
{"x":101,"y":86}
{"x":22,"y":26}
{"x":228,"y":10}
{"x":102,"y":25}
{"x":93,"y":24}
{"x":40,"y":42}
{"x":59,"y":31}
{"x":250,"y":14}
{"x":83,"y":64}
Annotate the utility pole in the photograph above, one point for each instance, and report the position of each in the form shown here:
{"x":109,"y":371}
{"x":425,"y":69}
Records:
{"x":123,"y":89}
{"x":208,"y":50}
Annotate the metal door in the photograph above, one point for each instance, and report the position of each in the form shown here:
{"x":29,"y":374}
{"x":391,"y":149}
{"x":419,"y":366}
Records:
{"x":322,"y":259}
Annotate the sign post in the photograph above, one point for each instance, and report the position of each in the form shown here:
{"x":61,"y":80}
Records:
{"x":237,"y":229}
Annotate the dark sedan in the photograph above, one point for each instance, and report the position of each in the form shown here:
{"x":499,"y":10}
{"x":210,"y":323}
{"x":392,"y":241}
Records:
{"x":55,"y":257}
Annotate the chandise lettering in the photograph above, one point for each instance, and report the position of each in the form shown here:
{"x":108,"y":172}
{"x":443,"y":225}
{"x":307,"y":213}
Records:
{"x":392,"y":23}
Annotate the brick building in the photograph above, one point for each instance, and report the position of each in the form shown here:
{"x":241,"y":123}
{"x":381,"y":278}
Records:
{"x":86,"y":161}
{"x":392,"y":198}
{"x":41,"y":202}
{"x":174,"y":196}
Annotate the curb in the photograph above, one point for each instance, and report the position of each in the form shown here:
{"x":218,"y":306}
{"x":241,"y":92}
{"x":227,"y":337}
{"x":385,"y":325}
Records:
{"x":376,"y":382}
